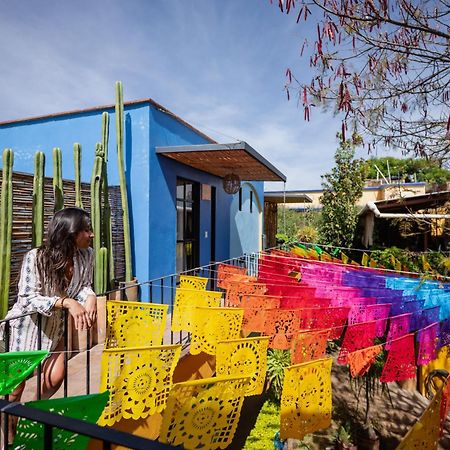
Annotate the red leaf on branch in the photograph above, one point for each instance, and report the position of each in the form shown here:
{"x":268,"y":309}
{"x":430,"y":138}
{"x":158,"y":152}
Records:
{"x":289,"y":74}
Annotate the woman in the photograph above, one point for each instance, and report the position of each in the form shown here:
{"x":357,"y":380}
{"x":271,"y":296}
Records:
{"x":55,"y":276}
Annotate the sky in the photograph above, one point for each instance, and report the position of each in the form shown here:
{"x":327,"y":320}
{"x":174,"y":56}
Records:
{"x":218,"y":64}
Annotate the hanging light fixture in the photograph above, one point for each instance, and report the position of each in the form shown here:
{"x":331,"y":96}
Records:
{"x":231,"y":183}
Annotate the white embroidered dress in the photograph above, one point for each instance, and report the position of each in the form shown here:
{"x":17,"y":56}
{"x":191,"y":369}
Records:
{"x":34,"y":297}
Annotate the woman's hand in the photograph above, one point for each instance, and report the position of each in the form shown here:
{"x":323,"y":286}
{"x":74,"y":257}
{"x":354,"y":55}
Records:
{"x":91,"y":308}
{"x":78,"y":312}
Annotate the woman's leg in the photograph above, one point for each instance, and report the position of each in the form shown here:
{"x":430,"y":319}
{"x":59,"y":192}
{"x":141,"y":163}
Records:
{"x":53,"y":372}
{"x":15,"y":396}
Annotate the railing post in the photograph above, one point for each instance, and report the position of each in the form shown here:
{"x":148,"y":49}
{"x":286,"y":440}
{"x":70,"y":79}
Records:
{"x":66,"y":350}
{"x":39,"y":367}
{"x":48,"y":438}
{"x":4,"y":416}
{"x":88,"y":361}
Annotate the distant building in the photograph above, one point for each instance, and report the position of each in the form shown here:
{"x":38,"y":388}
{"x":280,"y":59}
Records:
{"x":419,"y":222}
{"x":373,"y":191}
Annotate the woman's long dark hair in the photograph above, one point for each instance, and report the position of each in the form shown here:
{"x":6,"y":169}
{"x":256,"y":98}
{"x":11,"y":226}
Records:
{"x":57,"y":252}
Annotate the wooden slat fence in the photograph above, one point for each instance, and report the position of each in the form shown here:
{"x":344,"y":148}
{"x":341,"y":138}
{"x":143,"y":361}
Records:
{"x":22,"y":220}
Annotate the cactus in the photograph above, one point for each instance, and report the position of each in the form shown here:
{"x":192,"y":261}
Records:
{"x":101,"y":269}
{"x":77,"y":162}
{"x":38,"y":200}
{"x":5,"y":229}
{"x":96,"y":186}
{"x":123,"y":186}
{"x":57,"y":180}
{"x":107,"y":228}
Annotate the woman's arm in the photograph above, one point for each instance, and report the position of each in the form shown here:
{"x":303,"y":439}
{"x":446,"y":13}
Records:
{"x":86,"y":296}
{"x":30,"y":296}
{"x":79,"y":313}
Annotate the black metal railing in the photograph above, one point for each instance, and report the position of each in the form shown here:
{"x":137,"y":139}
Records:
{"x":160,"y":290}
{"x":51,"y":421}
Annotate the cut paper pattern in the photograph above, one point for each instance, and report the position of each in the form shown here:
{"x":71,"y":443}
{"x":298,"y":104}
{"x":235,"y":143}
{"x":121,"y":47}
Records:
{"x":398,"y":326}
{"x":211,"y":325}
{"x":361,"y":360}
{"x":295,"y":303}
{"x":185,"y":302}
{"x":423,"y":318}
{"x":306,"y":399}
{"x":203,"y":413}
{"x":444,"y":333}
{"x":333,"y":318}
{"x":424,"y":434}
{"x":280,"y":325}
{"x":400,"y":364}
{"x":225,"y":271}
{"x":427,"y":338}
{"x":191,"y":282}
{"x":366,"y":313}
{"x":138,"y":379}
{"x":15,"y":367}
{"x":233,"y":281}
{"x":237,"y":289}
{"x":254,"y":307}
{"x":244,"y":358}
{"x":30,"y":434}
{"x":134,"y":324}
{"x":357,"y":336}
{"x":308,"y":346}
{"x":379,"y":313}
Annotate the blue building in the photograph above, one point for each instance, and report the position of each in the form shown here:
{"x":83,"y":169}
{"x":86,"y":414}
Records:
{"x":180,"y":215}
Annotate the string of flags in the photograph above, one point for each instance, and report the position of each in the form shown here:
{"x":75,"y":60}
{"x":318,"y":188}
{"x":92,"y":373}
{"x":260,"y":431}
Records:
{"x":299,"y":302}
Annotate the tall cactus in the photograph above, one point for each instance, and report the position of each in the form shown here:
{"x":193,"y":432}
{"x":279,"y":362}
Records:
{"x":107,"y":227}
{"x":123,"y":185}
{"x":38,"y":200}
{"x":57,"y":179}
{"x":5,"y":229}
{"x":77,"y":163}
{"x":96,"y":213}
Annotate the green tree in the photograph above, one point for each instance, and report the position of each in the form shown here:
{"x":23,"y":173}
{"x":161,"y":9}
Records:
{"x":409,"y":169}
{"x":296,"y":225}
{"x":341,"y":189}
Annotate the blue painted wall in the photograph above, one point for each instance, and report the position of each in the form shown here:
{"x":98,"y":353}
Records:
{"x":246,"y":224}
{"x":151,"y":178}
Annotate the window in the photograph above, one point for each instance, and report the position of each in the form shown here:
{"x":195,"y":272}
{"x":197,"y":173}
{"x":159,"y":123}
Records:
{"x":251,"y":201}
{"x":240,"y":199}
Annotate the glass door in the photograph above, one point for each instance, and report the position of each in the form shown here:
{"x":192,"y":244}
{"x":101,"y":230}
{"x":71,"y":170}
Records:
{"x":188,"y":218}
